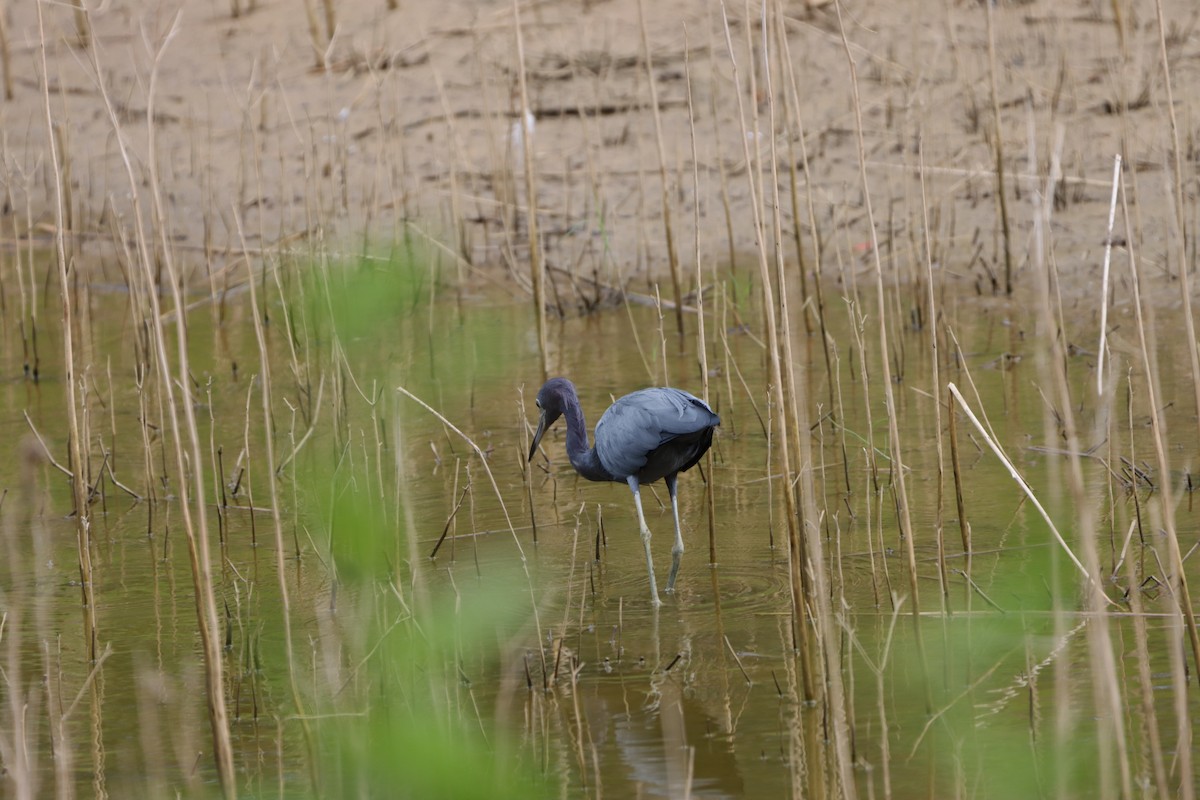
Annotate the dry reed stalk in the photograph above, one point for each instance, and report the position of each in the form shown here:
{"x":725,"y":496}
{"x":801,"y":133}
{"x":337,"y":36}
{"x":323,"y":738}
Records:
{"x":828,"y":655}
{"x":64,"y":754}
{"x":879,"y":670}
{"x":537,"y":269}
{"x":662,"y":339}
{"x":1146,"y":681}
{"x":83,"y":517}
{"x":1108,"y":244}
{"x":1185,"y":621}
{"x":1183,"y":267}
{"x":17,"y":734}
{"x":1106,"y":692}
{"x":6,"y":58}
{"x":795,"y":406}
{"x":774,"y":370}
{"x":265,"y":386}
{"x":195,"y":529}
{"x":330,"y":19}
{"x":898,"y":477}
{"x":83,"y":24}
{"x":672,"y":256}
{"x":456,"y":149}
{"x":1017,"y":478}
{"x":314,"y":34}
{"x":730,"y":363}
{"x":722,"y":169}
{"x":470,"y":491}
{"x":451,"y":527}
{"x":935,"y":380}
{"x":964,"y":526}
{"x":502,"y":181}
{"x":1001,"y":197}
{"x":526,"y":466}
{"x":792,"y":97}
{"x":499,"y":497}
{"x":701,"y":342}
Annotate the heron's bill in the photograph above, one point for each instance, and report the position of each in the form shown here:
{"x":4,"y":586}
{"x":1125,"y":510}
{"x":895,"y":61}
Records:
{"x":537,"y":436}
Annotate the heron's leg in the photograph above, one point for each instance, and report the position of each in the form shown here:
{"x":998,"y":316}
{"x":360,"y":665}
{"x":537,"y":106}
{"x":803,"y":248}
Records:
{"x":677,"y":550}
{"x":637,"y":502}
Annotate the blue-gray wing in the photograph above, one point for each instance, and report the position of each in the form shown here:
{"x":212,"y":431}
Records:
{"x":638,"y":424}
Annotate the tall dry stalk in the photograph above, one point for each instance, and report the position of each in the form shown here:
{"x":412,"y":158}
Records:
{"x":1183,"y":268}
{"x":1102,"y":349}
{"x":1001,"y":196}
{"x":795,"y":409}
{"x":935,"y":378}
{"x":1184,"y":621}
{"x":774,"y":369}
{"x":318,"y":43}
{"x":83,"y":517}
{"x":799,"y":489}
{"x":672,"y":256}
{"x":898,"y":476}
{"x":537,"y":270}
{"x":701,"y":342}
{"x":83,"y":24}
{"x":188,"y":458}
{"x":1106,"y":691}
{"x":5,"y":55}
{"x":281,"y":574}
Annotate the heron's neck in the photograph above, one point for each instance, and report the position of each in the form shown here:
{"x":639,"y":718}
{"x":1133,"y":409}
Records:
{"x":583,"y":458}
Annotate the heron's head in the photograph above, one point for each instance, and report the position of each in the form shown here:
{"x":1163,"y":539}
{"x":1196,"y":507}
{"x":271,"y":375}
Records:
{"x":552,"y":398}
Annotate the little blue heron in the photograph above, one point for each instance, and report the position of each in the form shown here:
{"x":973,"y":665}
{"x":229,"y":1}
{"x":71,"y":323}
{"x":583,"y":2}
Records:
{"x":644,"y":436}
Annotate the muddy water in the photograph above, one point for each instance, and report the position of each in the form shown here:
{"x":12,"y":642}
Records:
{"x":701,"y":696}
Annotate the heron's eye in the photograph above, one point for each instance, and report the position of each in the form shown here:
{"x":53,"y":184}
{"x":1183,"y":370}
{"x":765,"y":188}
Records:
{"x":537,"y":403}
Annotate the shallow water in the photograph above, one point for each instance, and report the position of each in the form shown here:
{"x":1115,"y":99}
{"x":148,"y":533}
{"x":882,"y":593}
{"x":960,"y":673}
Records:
{"x":700,"y":696}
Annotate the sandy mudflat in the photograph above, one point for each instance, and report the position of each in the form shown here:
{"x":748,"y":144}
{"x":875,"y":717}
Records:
{"x":413,"y":118}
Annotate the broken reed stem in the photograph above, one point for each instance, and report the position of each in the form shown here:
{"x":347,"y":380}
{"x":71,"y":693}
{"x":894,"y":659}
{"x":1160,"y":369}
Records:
{"x":1015,"y":475}
{"x":964,"y":526}
{"x":672,"y":256}
{"x":83,"y":517}
{"x":537,"y":269}
{"x":898,"y":478}
{"x":500,"y":498}
{"x":1001,"y":198}
{"x":1108,"y":245}
{"x":196,"y":529}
